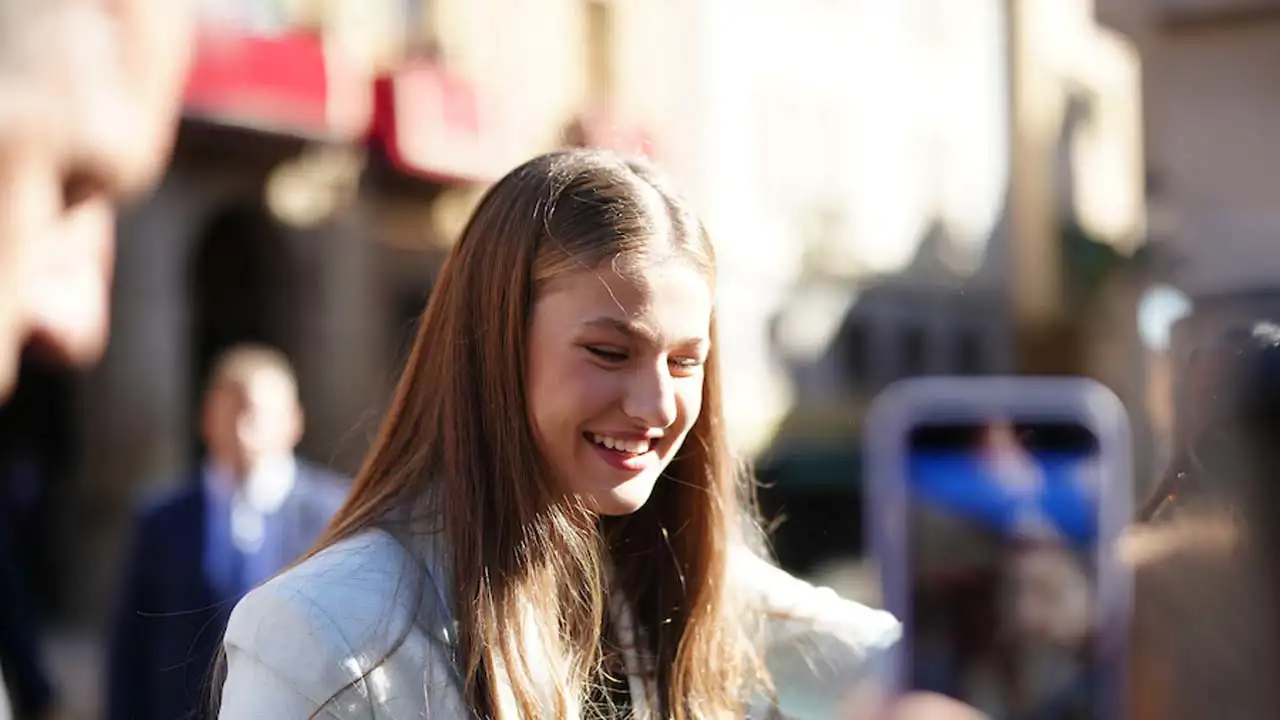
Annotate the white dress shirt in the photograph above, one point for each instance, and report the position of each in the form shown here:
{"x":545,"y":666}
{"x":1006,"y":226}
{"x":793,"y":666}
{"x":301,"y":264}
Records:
{"x":241,"y":515}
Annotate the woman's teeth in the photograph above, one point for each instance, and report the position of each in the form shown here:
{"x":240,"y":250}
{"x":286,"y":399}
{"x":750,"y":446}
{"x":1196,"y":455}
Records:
{"x":631,"y":447}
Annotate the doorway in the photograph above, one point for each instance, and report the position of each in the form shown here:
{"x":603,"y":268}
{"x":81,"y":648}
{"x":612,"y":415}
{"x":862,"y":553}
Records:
{"x":244,"y":286}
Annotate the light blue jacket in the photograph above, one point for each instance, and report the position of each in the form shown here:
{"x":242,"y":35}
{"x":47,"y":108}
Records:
{"x":324,"y":634}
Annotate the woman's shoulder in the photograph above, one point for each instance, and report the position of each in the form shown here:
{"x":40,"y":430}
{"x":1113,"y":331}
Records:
{"x":347,"y":629}
{"x":354,"y":599}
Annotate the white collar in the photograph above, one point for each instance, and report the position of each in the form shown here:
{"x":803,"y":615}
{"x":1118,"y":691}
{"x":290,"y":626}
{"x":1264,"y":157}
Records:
{"x":264,"y":490}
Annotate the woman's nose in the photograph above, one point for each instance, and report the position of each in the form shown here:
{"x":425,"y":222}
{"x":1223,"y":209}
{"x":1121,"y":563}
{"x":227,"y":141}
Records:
{"x":651,"y":397}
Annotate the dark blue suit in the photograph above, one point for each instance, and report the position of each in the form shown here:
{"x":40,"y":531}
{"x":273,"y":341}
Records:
{"x":169,"y":625}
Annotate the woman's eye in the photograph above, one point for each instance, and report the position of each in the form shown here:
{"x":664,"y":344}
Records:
{"x":608,"y":355}
{"x":686,"y":364}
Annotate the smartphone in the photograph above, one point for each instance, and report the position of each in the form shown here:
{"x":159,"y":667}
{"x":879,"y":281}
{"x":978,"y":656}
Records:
{"x":993,"y":507}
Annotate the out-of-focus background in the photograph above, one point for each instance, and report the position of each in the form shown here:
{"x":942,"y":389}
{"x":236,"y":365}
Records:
{"x":895,"y":188}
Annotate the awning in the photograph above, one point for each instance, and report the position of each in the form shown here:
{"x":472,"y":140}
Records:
{"x":428,"y":123}
{"x":281,"y":83}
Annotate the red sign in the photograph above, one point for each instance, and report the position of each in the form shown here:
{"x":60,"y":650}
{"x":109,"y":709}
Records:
{"x":429,"y":124}
{"x":280,"y":82}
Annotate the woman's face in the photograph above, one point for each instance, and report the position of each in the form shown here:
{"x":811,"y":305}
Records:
{"x":615,"y":376}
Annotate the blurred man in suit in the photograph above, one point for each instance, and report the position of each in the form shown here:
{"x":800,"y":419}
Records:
{"x":89,"y":100}
{"x":248,"y":511}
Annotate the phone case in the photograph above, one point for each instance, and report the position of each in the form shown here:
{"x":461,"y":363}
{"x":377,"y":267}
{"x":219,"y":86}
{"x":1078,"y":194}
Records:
{"x":907,"y":403}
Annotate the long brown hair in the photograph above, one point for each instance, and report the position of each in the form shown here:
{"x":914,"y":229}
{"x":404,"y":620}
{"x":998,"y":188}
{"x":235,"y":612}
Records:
{"x":524,"y":562}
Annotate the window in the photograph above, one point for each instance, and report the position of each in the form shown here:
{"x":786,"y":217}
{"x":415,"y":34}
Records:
{"x":1193,"y":14}
{"x":421,"y":40}
{"x":970,"y":355}
{"x":264,"y":17}
{"x":855,"y":354}
{"x":599,"y":50}
{"x":1217,"y":6}
{"x":913,"y":352}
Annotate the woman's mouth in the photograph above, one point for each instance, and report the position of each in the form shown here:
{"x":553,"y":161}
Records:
{"x":627,"y":454}
{"x":620,"y":445}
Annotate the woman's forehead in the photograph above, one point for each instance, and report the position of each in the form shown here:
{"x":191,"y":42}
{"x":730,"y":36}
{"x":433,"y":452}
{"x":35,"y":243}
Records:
{"x":640,"y":275}
{"x":670,"y":299}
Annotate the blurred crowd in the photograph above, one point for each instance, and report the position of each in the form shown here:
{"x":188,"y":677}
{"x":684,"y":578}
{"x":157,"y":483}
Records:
{"x":290,"y":177}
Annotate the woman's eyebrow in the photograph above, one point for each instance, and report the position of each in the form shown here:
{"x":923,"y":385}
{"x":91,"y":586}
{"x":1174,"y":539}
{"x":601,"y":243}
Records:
{"x":638,"y":330}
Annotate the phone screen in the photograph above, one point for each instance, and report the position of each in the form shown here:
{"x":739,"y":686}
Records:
{"x":1003,"y":604}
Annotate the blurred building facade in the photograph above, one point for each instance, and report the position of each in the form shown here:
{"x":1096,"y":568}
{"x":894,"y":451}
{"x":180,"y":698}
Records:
{"x":329,"y":154}
{"x":886,"y":133}
{"x":1211,"y":101}
{"x":876,"y":181}
{"x":850,"y":160}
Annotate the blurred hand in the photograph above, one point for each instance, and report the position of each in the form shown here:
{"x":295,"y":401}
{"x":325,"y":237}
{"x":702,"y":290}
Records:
{"x":922,"y":706}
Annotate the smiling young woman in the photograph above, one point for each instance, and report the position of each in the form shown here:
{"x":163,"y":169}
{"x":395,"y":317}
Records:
{"x":550,"y":523}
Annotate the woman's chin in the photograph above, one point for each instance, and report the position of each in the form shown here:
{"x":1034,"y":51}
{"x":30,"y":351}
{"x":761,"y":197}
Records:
{"x":621,"y":499}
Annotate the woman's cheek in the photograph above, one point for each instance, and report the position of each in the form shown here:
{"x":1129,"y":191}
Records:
{"x":689,"y":401}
